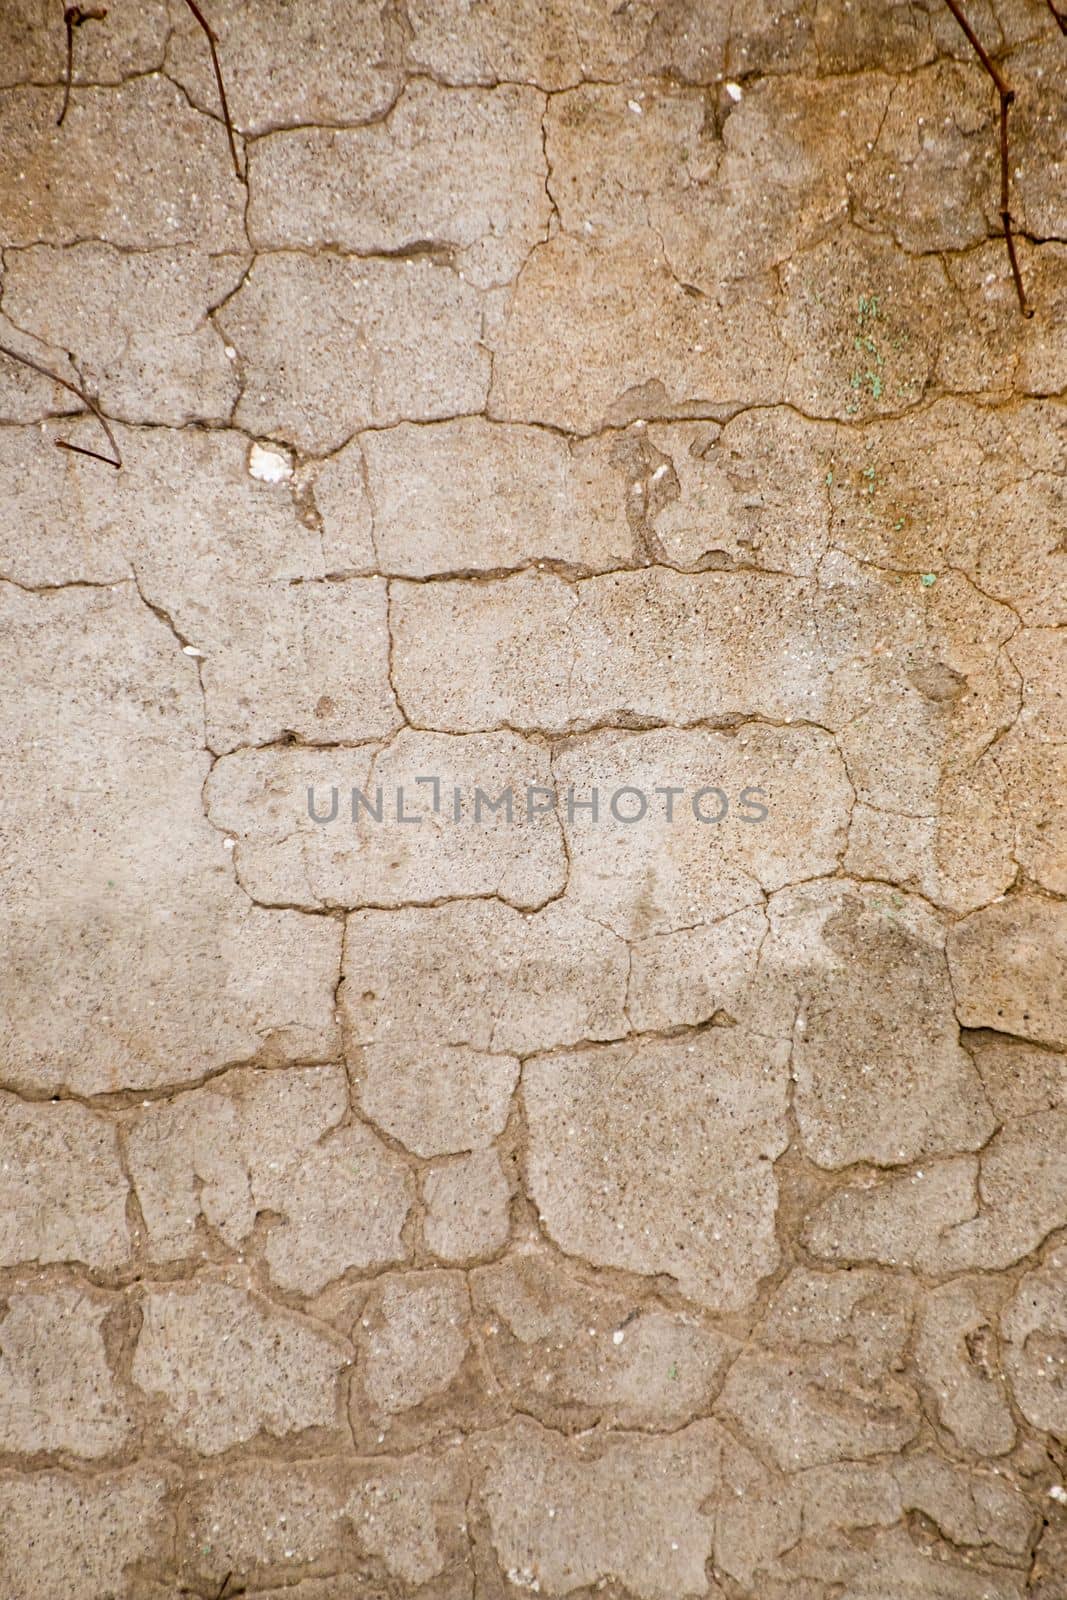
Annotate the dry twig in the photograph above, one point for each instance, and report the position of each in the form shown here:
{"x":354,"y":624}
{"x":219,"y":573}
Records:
{"x":75,"y":389}
{"x":221,"y":1594}
{"x":212,"y":42}
{"x":73,"y":17}
{"x":1007,"y":97}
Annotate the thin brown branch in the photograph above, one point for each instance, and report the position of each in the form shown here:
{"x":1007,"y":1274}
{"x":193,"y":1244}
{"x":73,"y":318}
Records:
{"x":1005,"y":212}
{"x":68,"y":18}
{"x":73,"y":17}
{"x":1061,"y":18}
{"x":75,"y":389}
{"x":979,"y":49}
{"x":1006,"y":96}
{"x":1005,"y":104}
{"x":212,"y":41}
{"x":1020,"y":287}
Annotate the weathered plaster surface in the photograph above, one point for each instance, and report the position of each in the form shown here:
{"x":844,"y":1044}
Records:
{"x":566,"y":395}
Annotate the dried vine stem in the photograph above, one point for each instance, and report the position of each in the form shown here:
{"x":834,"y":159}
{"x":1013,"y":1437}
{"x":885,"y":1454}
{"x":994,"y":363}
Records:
{"x":1007,"y":97}
{"x":212,"y":42}
{"x":75,"y":389}
{"x":221,"y":1593}
{"x":73,"y":17}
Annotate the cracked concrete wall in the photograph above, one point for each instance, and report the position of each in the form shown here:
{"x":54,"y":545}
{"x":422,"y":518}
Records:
{"x":567,"y":395}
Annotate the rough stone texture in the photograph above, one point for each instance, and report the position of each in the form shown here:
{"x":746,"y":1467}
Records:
{"x":653,"y":645}
{"x":460,"y":171}
{"x":419,"y":1373}
{"x":715,"y":852}
{"x":418,"y":1181}
{"x":826,"y":1388}
{"x":918,"y":1524}
{"x":228,"y":1367}
{"x":278,"y":1143}
{"x":692,"y":1199}
{"x":1034,"y":1329}
{"x":880,"y":1073}
{"x":941,"y":489}
{"x":142,"y":332}
{"x":958,"y":1213}
{"x":239,"y":573}
{"x":474,"y":495}
{"x":481,"y":974}
{"x":62,"y":1189}
{"x":554,"y":45}
{"x":393,"y":1519}
{"x":1031,"y":756}
{"x":956,"y":1353}
{"x":436,"y":1100}
{"x":331,"y":344}
{"x":1009,"y":969}
{"x":1017,"y":1077}
{"x":88,"y":181}
{"x":134,"y":41}
{"x":107,"y":742}
{"x":466,"y":1207}
{"x":57,"y":1391}
{"x":692,"y":975}
{"x":567,"y":1516}
{"x":67,"y":1536}
{"x":725,"y":202}
{"x":372,"y":859}
{"x":572,"y":1353}
{"x":291,"y":62}
{"x":687,"y":353}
